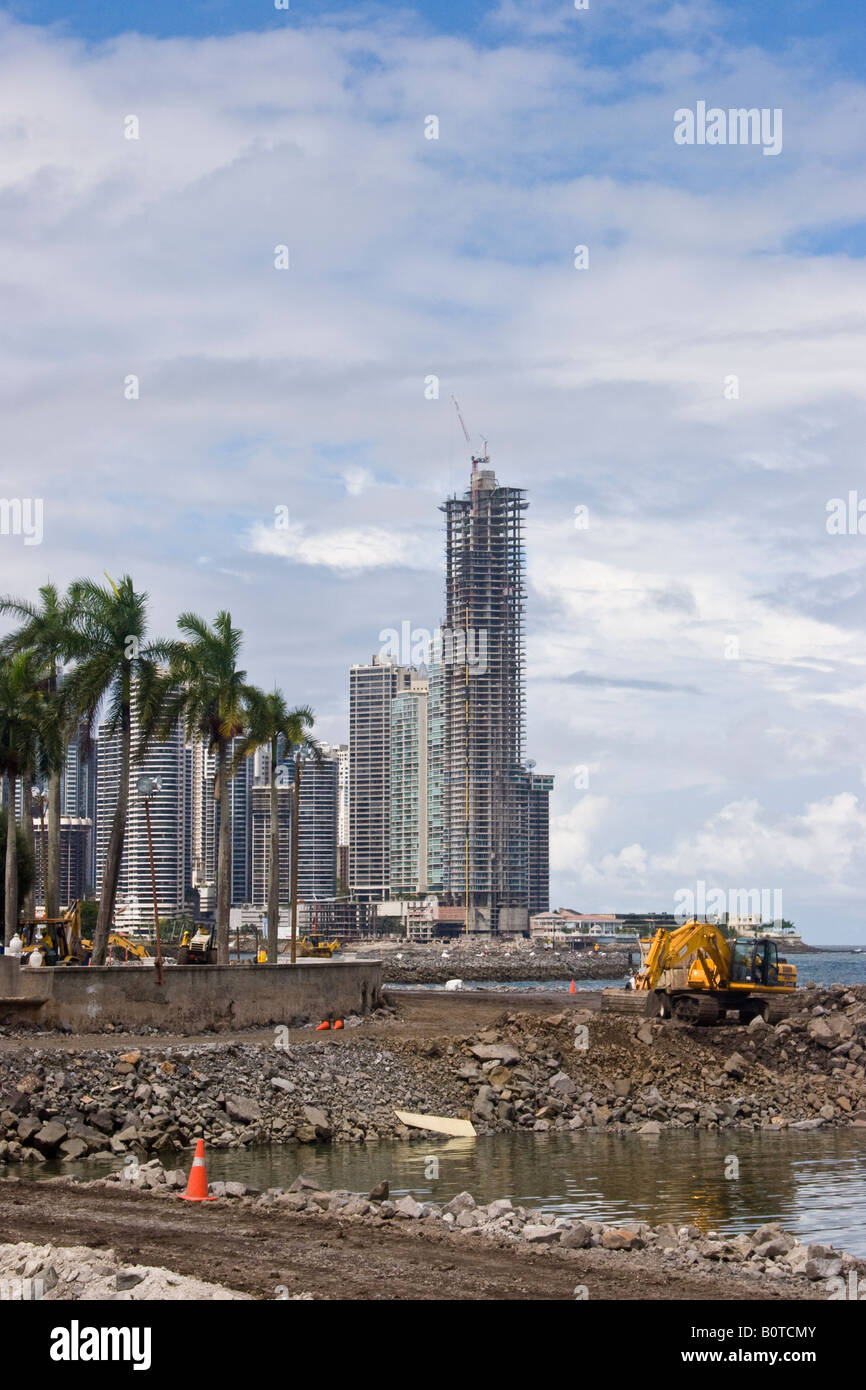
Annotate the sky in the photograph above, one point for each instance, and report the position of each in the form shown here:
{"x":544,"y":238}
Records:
{"x":683,"y":399}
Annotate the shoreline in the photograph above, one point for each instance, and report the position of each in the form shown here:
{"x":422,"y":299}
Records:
{"x":315,"y":1244}
{"x":142,"y":1104}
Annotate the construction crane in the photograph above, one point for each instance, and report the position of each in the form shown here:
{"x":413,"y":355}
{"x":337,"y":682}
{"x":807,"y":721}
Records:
{"x":462,"y":422}
{"x":476,"y":458}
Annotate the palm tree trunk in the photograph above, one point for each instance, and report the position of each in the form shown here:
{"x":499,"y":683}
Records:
{"x":224,"y":857}
{"x":11,"y":875}
{"x":52,"y":876}
{"x":114,"y":857}
{"x":296,"y":819}
{"x":27,"y":832}
{"x":274,"y":877}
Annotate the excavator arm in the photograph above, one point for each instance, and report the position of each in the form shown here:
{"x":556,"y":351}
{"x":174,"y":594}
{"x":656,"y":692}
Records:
{"x":672,"y":949}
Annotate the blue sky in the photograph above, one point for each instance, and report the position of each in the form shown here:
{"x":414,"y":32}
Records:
{"x":696,"y":655}
{"x":834,"y":24}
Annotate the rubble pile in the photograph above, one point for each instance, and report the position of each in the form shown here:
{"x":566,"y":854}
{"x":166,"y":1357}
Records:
{"x":78,"y":1273}
{"x":567,"y":1071}
{"x":584,"y":1070}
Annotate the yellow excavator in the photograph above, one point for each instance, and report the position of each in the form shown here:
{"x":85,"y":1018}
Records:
{"x":59,"y":940}
{"x":694,"y":974}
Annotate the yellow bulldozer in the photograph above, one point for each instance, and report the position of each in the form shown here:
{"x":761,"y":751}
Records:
{"x":694,"y":974}
{"x":322,"y":949}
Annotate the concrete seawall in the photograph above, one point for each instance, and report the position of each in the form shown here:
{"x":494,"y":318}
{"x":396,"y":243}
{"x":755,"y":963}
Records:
{"x":194,"y":998}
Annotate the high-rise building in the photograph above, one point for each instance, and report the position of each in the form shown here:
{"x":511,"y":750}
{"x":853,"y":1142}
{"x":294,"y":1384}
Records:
{"x":78,"y":803}
{"x":317,"y":832}
{"x":409,"y":789}
{"x":538,"y":788}
{"x":75,"y":837}
{"x":204,"y":824}
{"x":187,"y":825}
{"x":485,"y":795}
{"x":340,"y":751}
{"x":166,"y":762}
{"x":436,"y":839}
{"x":241,"y":799}
{"x":317,"y":829}
{"x":371,"y":690}
{"x":261,"y":843}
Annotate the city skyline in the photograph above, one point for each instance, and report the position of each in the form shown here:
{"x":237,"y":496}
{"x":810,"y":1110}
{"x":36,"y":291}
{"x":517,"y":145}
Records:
{"x":660,"y":340}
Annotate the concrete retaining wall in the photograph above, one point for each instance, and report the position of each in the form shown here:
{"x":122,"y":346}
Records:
{"x":194,"y":998}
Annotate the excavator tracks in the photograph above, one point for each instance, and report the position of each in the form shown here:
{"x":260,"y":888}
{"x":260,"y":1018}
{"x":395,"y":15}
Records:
{"x":624,"y":1001}
{"x":697,"y":1009}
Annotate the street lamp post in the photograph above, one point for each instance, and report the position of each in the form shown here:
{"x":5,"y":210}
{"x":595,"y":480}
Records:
{"x":146,"y":787}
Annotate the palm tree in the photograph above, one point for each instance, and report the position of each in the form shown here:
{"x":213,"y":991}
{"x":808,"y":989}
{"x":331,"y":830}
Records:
{"x":300,"y":745}
{"x":47,"y":628}
{"x":24,"y":864}
{"x":118,"y":663}
{"x":27,"y":739}
{"x":205,"y":689}
{"x":270,"y":721}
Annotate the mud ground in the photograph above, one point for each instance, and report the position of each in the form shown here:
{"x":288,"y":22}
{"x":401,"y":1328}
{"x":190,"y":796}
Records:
{"x":257,"y":1251}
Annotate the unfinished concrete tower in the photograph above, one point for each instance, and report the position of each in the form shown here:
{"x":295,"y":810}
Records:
{"x":482,"y":660}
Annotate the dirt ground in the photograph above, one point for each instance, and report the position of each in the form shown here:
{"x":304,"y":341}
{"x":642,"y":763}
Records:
{"x":257,"y":1250}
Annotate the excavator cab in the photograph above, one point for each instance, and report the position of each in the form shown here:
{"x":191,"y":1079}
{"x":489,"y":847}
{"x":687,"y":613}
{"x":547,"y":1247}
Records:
{"x":755,"y":961}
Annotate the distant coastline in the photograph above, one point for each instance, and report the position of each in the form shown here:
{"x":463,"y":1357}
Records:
{"x":801,"y":948}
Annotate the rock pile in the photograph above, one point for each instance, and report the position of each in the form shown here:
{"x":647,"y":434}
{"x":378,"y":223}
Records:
{"x":69,"y":1107}
{"x":77,"y":1273}
{"x":568,"y":1071}
{"x":582,"y":1070}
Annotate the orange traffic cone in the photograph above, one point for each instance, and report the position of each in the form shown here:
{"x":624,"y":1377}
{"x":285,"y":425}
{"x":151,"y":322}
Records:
{"x":571,"y":989}
{"x":322,"y":1026}
{"x":196,"y":1188}
{"x":338,"y":1023}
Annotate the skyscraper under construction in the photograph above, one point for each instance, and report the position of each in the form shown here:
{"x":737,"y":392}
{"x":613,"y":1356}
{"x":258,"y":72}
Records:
{"x":488,"y":847}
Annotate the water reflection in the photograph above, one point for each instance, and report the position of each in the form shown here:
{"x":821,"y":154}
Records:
{"x":813,"y":1183}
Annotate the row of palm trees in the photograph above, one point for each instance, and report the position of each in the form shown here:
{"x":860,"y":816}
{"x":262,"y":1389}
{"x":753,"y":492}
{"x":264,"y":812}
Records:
{"x":96,"y":636}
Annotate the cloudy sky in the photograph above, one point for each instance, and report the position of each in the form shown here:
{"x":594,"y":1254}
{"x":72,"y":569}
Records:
{"x":682,"y":409}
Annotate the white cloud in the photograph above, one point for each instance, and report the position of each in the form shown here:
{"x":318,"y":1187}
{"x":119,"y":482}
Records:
{"x":409,"y":258}
{"x":342,"y":550}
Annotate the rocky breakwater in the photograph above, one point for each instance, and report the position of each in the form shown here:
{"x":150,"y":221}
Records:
{"x":433,"y":964}
{"x":158,"y":1101}
{"x":581,"y":1070}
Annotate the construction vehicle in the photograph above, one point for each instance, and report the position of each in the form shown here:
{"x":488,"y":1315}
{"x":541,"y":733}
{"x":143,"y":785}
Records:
{"x":694,"y":974}
{"x":59,"y":941}
{"x":321,"y":949}
{"x":198,"y":947}
{"x":137,"y":949}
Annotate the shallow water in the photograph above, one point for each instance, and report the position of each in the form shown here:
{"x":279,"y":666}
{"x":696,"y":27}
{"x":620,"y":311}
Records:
{"x":814,"y":1183}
